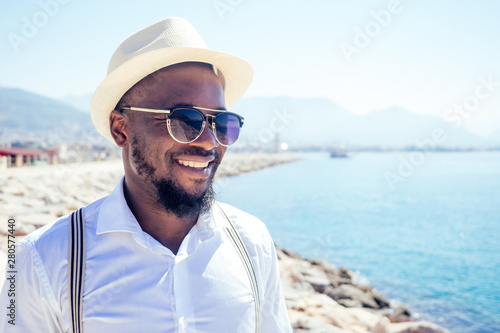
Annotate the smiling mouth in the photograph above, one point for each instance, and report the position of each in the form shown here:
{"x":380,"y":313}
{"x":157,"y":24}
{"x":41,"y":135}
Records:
{"x":193,"y":164}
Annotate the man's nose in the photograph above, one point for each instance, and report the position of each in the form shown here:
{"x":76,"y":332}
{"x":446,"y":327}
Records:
{"x":207,"y":138}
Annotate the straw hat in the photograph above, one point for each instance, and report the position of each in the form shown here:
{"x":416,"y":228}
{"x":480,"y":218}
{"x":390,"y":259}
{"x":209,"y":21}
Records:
{"x":170,"y":41}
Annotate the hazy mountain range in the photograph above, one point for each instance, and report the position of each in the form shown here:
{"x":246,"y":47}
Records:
{"x":315,"y":121}
{"x":28,"y":117}
{"x":22,"y":110}
{"x":298,"y":122}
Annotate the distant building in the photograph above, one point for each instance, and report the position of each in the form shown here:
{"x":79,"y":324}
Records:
{"x":17,"y":157}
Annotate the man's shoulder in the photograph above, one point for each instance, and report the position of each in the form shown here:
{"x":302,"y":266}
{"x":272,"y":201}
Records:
{"x":250,"y":228}
{"x":236,"y":212}
{"x":240,"y":217}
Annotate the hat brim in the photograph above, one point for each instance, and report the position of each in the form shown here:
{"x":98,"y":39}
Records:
{"x":237,"y":73}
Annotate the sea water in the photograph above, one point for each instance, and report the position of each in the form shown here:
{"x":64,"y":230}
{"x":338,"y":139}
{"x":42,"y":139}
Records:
{"x":424,"y":231}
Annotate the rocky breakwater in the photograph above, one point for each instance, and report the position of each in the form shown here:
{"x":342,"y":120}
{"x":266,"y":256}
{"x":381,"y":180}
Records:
{"x":323,"y":299}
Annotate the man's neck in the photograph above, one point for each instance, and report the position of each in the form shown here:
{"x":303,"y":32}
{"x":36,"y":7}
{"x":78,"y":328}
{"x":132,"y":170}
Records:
{"x":166,"y":228}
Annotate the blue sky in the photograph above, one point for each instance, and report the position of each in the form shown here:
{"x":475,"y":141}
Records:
{"x":424,"y":56}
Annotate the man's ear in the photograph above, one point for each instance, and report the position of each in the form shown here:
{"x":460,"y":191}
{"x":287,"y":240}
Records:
{"x":118,"y":127}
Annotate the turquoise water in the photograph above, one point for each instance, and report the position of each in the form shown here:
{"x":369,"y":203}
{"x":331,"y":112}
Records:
{"x":431,"y":242}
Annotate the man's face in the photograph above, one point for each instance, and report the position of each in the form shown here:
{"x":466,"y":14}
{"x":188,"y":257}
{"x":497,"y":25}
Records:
{"x":178,"y":176}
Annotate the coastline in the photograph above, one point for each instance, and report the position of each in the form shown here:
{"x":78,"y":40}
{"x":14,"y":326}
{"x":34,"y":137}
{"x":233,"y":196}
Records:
{"x":319,"y":297}
{"x":322,"y":298}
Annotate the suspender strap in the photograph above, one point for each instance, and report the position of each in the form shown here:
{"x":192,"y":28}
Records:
{"x":235,"y":238}
{"x":76,"y":268}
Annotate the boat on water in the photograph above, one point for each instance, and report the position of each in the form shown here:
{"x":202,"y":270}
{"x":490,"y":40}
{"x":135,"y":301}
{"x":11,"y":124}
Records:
{"x":338,"y":154}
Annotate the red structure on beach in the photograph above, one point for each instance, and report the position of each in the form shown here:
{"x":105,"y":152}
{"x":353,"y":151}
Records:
{"x":17,"y":157}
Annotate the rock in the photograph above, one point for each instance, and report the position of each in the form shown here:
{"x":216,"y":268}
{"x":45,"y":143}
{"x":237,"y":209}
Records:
{"x":350,"y":303}
{"x":351,"y":292}
{"x":317,"y":279}
{"x":345,"y":273}
{"x":324,"y":265}
{"x":304,"y":323}
{"x":341,"y":276}
{"x":51,"y":199}
{"x":321,"y":306}
{"x":416,"y":327}
{"x":338,"y":281}
{"x":333,"y":274}
{"x":293,"y":281}
{"x":399,"y":315}
{"x":381,"y":301}
{"x":331,"y":313}
{"x":288,"y":253}
{"x":363,"y":320}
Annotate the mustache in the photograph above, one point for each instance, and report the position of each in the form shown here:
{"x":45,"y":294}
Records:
{"x":197,"y":151}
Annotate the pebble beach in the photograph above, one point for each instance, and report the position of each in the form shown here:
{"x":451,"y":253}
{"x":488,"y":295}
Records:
{"x":319,"y":296}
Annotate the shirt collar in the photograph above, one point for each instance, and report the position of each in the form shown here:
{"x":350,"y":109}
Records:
{"x":116,"y":216}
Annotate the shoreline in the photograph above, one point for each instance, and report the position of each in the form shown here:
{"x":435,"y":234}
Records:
{"x":319,"y":297}
{"x":322,"y":298}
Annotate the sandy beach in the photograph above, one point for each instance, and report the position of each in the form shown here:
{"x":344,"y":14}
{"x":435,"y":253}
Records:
{"x":320,"y":297}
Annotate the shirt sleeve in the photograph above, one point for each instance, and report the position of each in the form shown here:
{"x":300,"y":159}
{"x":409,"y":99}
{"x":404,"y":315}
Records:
{"x":24,"y":303}
{"x":274,"y":314}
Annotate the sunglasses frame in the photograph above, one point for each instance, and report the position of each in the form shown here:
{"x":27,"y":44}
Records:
{"x":198,"y":109}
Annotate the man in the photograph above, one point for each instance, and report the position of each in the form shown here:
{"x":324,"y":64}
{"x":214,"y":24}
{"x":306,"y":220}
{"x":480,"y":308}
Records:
{"x":159,"y":253}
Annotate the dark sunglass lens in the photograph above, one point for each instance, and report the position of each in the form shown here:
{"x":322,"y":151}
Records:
{"x":227,"y":128}
{"x":185,"y":124}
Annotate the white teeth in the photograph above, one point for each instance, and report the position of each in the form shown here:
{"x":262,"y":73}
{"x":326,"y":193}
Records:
{"x":199,"y":165}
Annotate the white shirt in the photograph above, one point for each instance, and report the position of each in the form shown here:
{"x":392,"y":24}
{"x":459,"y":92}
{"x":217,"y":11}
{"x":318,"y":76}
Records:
{"x":134,"y":284}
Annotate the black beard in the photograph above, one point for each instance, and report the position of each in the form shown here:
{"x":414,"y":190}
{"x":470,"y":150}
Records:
{"x":169,"y":193}
{"x":176,"y":200}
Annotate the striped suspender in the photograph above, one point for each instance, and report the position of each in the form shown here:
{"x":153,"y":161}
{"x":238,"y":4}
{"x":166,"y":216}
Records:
{"x":76,"y":268}
{"x":235,"y":238}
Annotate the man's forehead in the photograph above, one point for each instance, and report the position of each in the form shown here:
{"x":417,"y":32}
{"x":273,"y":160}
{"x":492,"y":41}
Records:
{"x":183,"y":83}
{"x":173,"y":74}
{"x":183,"y":67}
{"x":176,"y":74}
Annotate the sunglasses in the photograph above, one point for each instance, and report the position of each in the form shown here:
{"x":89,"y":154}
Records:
{"x":186,"y":124}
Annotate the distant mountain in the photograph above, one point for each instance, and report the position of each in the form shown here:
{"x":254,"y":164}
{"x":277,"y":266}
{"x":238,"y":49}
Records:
{"x":397,"y":127}
{"x":20,"y":109}
{"x":81,"y":102}
{"x":299,"y":122}
{"x":320,"y":122}
{"x":24,"y":114}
